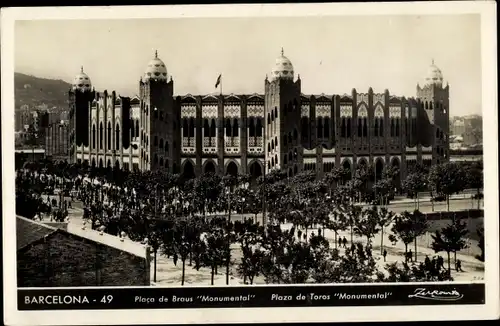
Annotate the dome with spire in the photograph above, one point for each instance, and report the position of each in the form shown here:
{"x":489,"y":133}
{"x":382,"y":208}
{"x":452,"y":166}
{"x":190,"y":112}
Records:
{"x":434,"y":76}
{"x":156,"y":69}
{"x":82,"y":81}
{"x":283,"y":68}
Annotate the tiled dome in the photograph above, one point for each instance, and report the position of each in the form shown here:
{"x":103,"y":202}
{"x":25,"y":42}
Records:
{"x":82,"y":82}
{"x":434,"y":76}
{"x":156,"y":69}
{"x":283,"y":68}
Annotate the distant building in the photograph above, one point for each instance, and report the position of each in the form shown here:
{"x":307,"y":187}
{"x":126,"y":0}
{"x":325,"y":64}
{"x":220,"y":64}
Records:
{"x":470,"y":128}
{"x":57,"y":141}
{"x":49,"y":256}
{"x":280,"y":129}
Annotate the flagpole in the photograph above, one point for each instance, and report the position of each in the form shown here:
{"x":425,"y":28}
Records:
{"x":221,"y":84}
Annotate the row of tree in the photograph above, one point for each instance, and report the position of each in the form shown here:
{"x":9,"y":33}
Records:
{"x":180,"y":218}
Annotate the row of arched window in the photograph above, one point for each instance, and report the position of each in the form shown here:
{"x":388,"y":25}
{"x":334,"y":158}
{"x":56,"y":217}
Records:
{"x":159,"y":144}
{"x":159,"y":162}
{"x":271,"y":116}
{"x":110,"y":143}
{"x":378,"y":127}
{"x":134,"y":128}
{"x":272,"y":145}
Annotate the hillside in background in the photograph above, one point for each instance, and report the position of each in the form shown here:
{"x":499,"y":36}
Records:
{"x":34,"y":92}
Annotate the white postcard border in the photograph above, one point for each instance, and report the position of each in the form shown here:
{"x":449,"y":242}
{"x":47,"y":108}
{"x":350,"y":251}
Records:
{"x":489,"y":310}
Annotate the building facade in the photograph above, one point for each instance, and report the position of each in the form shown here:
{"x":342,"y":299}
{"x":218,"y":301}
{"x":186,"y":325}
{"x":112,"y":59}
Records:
{"x":57,"y":140}
{"x":257,"y":133}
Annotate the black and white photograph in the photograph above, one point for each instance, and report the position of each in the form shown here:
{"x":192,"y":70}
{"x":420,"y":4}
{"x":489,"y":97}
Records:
{"x":319,"y":149}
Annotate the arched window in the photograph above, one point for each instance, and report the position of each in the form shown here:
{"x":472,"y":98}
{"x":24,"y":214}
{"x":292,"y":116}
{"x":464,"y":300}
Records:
{"x":437,"y":132}
{"x":212,"y":128}
{"x":290,"y":157}
{"x":326,"y":128}
{"x":259,"y":127}
{"x":305,"y":127}
{"x":397,"y":127}
{"x":392,"y":127}
{"x":430,"y":105}
{"x":117,"y":137}
{"x":268,"y":118}
{"x":276,"y":159}
{"x":155,"y":141}
{"x":206,"y":128}
{"x":343,"y":128}
{"x":272,"y":115}
{"x":161,"y":143}
{"x":381,"y":127}
{"x":375,"y":128}
{"x":365,"y":127}
{"x":272,"y":144}
{"x":166,"y":147}
{"x":272,"y":162}
{"x":360,"y":127}
{"x":161,"y":161}
{"x":426,"y":105}
{"x":348,"y":129}
{"x":251,"y":127}
{"x":228,"y":128}
{"x":93,"y":136}
{"x":236,"y":128}
{"x":185,"y":128}
{"x":156,"y":159}
{"x":137,"y":128}
{"x":109,"y":136}
{"x":319,"y":127}
{"x":276,"y":112}
{"x":268,"y":147}
{"x":191,"y":127}
{"x":132,"y":130}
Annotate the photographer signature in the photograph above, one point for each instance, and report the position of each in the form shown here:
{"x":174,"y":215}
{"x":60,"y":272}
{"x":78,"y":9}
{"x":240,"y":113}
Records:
{"x":437,"y":295}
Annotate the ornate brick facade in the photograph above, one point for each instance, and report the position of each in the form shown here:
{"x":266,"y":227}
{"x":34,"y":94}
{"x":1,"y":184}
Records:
{"x":256,"y":133}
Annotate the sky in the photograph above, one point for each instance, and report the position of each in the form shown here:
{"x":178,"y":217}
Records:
{"x":332,"y":54}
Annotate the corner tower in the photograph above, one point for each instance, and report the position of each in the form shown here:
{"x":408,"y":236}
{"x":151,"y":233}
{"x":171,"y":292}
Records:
{"x":434,"y":97}
{"x":80,"y":98}
{"x":283,"y":150}
{"x":158,"y":118}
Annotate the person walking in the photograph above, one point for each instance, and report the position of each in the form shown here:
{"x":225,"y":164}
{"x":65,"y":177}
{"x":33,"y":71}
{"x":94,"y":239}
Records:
{"x":410,"y":255}
{"x":340,"y":241}
{"x":344,"y":242}
{"x":458,"y":266}
{"x":385,"y":254}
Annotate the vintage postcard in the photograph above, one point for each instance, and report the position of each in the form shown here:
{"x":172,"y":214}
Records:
{"x":250,"y":163}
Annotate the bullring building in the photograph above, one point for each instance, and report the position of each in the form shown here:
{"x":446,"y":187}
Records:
{"x":279,"y":128}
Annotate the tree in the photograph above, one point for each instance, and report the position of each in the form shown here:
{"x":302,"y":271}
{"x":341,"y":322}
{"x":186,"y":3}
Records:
{"x":480,"y":244}
{"x":419,"y":226}
{"x":383,"y":188}
{"x":367,"y":224}
{"x":475,"y":178}
{"x":415,"y":273}
{"x":402,"y":230}
{"x":385,"y":218}
{"x":353,"y":214}
{"x":447,"y":179}
{"x":451,"y":238}
{"x":413,"y":184}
